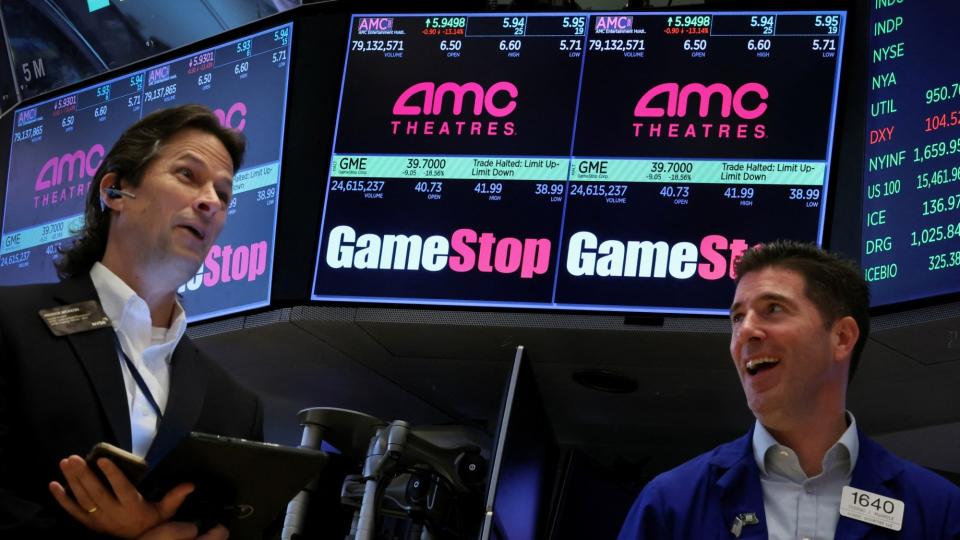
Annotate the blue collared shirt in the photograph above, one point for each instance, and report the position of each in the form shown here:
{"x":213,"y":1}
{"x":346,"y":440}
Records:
{"x":798,"y":507}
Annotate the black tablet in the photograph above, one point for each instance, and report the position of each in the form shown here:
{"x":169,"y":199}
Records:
{"x":243,"y":485}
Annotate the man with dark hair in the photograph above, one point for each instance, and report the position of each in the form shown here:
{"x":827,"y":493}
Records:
{"x":800,"y":320}
{"x":102,"y":355}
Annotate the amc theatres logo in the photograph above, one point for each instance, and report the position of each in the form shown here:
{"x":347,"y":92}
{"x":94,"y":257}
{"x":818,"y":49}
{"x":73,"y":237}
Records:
{"x":452,"y":99}
{"x":670,"y":100}
{"x":678,"y":100}
{"x":427,"y":98}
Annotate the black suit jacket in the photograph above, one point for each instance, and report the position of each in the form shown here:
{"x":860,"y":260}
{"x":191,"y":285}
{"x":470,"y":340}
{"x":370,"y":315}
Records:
{"x":61,"y":395}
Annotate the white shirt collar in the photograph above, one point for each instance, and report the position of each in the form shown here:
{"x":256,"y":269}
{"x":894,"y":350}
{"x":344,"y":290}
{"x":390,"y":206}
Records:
{"x":129,"y":313}
{"x":763,"y":442}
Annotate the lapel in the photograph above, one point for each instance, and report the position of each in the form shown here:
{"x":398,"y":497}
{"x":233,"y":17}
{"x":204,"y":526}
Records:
{"x":188,"y":382}
{"x":876,"y":472}
{"x":738,"y":484}
{"x":97,"y":353}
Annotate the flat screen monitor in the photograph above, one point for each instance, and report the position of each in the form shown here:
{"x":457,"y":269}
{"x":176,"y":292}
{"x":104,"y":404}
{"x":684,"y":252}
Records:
{"x":610,"y":162}
{"x":911,"y":191}
{"x":59,"y":142}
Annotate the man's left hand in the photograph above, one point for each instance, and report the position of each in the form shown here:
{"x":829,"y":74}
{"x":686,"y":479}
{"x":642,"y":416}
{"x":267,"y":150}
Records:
{"x":118,"y":509}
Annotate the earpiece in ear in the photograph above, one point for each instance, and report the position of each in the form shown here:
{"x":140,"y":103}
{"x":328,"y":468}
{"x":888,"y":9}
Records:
{"x":116,"y":193}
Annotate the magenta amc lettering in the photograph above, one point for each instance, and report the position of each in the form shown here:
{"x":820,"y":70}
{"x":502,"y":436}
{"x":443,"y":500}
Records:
{"x":670,"y":100}
{"x":72,"y":168}
{"x":426,"y":99}
{"x":230,"y":263}
{"x":589,"y":256}
{"x":234,"y":118}
{"x":471,"y":251}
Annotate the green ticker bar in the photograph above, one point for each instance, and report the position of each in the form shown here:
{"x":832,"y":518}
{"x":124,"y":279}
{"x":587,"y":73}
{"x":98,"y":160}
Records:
{"x":246,"y":180}
{"x":256,"y":178}
{"x":454,"y":168}
{"x":41,"y":234}
{"x":698,"y":172}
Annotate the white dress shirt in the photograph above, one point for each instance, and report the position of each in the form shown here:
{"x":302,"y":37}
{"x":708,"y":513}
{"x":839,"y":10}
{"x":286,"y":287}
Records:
{"x":798,"y":507}
{"x":149,"y":349}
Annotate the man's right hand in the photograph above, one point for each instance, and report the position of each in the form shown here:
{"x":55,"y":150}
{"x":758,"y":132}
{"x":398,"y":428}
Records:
{"x":121,"y":511}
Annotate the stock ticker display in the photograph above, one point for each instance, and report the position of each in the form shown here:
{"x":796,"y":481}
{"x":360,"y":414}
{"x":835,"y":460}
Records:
{"x":59,"y":143}
{"x":911,"y":206}
{"x":605,"y":162}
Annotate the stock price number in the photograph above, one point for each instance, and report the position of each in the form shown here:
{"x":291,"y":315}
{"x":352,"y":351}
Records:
{"x":830,"y":22}
{"x":517,"y":24}
{"x":281,"y":36}
{"x":936,"y":178}
{"x":800,"y":194}
{"x":940,"y":121}
{"x":941,"y":205}
{"x":279,"y":57}
{"x":266,"y":194}
{"x":942,"y":261}
{"x":430,"y":166}
{"x":764,"y":22}
{"x":446,"y":22}
{"x":942,"y":93}
{"x":578,"y":24}
{"x":360,"y":186}
{"x":100,"y":113}
{"x":428,"y":187}
{"x":738,"y":193}
{"x":759,"y":45}
{"x":675,"y":192}
{"x":686,"y":21}
{"x":245,"y":47}
{"x":104,"y":92}
{"x":571,"y":45}
{"x":548,"y":189}
{"x":598,"y":190}
{"x":510,"y":44}
{"x":828,"y":44}
{"x":68,"y":121}
{"x":671,"y":167}
{"x":488,"y":188}
{"x":203,"y":81}
{"x":694,"y":44}
{"x":451,"y":45}
{"x":937,"y":233}
{"x":936,"y":150}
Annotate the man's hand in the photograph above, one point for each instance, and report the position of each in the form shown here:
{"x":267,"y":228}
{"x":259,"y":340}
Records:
{"x":178,"y":530}
{"x":118,"y":509}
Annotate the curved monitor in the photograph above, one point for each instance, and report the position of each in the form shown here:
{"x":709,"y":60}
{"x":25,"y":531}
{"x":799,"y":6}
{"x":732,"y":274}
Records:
{"x":59,"y":142}
{"x":911,"y":201}
{"x":613,"y":162}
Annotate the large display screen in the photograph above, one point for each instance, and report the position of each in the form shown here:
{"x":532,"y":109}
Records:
{"x":58,"y":144}
{"x":606,"y":162}
{"x":911,"y":203}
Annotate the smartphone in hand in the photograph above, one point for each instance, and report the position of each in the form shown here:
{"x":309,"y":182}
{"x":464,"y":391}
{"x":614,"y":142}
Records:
{"x":132,"y":465}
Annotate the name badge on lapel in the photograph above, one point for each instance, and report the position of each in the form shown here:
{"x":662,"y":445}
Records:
{"x":75,"y":318}
{"x":871,"y":508}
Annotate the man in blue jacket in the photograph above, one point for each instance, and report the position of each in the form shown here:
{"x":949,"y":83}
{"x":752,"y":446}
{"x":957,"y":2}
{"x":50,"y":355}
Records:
{"x":800,"y":320}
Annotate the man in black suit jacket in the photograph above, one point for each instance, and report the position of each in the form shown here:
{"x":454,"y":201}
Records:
{"x":156,"y":205}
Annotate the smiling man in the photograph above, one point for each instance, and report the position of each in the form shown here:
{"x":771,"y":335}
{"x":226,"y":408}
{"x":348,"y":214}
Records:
{"x":799,"y":322}
{"x":102,"y":355}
